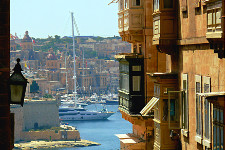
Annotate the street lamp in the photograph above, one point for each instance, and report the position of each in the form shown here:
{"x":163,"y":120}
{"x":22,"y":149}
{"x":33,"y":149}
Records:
{"x":17,"y":85}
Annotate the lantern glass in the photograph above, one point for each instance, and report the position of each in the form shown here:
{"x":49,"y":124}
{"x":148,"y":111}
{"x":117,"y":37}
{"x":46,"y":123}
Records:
{"x":16,"y":93}
{"x":17,"y":85}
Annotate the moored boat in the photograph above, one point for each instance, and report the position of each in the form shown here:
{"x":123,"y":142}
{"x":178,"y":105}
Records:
{"x":76,"y":114}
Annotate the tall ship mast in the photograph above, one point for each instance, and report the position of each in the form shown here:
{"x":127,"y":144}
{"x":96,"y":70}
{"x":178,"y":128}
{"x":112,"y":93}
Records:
{"x":79,"y":113}
{"x":74,"y":63}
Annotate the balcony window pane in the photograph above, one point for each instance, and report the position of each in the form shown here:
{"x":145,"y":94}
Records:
{"x":172,"y":110}
{"x":136,"y":2}
{"x":214,"y":18}
{"x":221,"y":116}
{"x":126,"y":3}
{"x":218,"y":16}
{"x":155,"y":90}
{"x":120,"y":5}
{"x":120,"y":81}
{"x":158,"y":90}
{"x":168,"y":3}
{"x":218,"y":137}
{"x":214,"y":136}
{"x":198,"y":88}
{"x":156,"y":4}
{"x":206,"y":88}
{"x":207,"y":119}
{"x":198,"y":109}
{"x":136,"y":83}
{"x":185,"y":103}
{"x":218,"y":129}
{"x":214,"y":114}
{"x":165,"y":110}
{"x":218,"y":115}
{"x":126,"y":82}
{"x":221,"y":138}
{"x":136,"y":68}
{"x":210,"y":18}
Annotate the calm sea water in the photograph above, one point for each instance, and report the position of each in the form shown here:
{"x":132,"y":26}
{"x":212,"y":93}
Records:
{"x":102,"y":131}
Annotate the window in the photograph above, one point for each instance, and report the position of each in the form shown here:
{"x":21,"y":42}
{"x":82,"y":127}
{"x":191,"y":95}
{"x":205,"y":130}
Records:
{"x":214,"y":20}
{"x":136,"y":83}
{"x":124,"y":77}
{"x":185,"y":112}
{"x":207,"y":110}
{"x":198,"y":138}
{"x":136,"y":2}
{"x":156,"y":27}
{"x":121,"y":5}
{"x":174,"y":105}
{"x":126,"y":3}
{"x":168,"y":3}
{"x":156,"y":90}
{"x":218,"y":129}
{"x":136,"y":68}
{"x":156,"y":5}
{"x":172,"y":110}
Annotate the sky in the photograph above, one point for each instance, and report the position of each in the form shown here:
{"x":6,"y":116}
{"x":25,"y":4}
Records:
{"x":43,"y":18}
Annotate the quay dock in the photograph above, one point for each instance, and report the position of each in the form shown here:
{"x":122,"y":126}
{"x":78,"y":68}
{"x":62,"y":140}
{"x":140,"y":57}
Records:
{"x":53,"y":144}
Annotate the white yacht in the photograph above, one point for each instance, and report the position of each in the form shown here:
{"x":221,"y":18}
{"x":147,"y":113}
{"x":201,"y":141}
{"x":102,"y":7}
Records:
{"x":76,"y":114}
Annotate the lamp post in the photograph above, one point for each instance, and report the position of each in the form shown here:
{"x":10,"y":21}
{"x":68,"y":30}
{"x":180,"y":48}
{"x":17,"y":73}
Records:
{"x":17,"y":85}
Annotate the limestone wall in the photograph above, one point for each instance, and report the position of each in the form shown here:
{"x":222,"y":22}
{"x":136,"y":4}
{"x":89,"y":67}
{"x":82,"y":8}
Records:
{"x":43,"y":113}
{"x":50,"y":135}
{"x":18,"y":121}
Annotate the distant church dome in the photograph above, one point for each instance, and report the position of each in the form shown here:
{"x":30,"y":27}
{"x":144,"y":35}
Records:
{"x":51,"y":55}
{"x":26,"y":38}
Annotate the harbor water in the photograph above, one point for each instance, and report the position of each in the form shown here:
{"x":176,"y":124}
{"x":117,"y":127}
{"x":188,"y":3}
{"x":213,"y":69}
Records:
{"x":102,"y":131}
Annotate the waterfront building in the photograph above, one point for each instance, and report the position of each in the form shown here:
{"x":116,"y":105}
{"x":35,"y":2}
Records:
{"x":176,"y":68}
{"x":34,"y":121}
{"x":39,"y":114}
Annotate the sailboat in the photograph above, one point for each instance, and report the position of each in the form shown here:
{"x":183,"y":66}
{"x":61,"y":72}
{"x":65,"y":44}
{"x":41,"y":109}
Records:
{"x":78,"y":113}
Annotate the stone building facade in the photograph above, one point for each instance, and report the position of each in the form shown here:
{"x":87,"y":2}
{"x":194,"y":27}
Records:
{"x":185,"y":86}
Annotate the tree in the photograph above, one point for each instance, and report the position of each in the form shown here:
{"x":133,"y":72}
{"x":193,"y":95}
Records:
{"x":47,"y":96}
{"x":34,"y":88}
{"x":57,"y":39}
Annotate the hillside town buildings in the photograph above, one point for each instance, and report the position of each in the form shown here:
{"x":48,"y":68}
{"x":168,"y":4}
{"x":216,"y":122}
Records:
{"x":172,"y":83}
{"x":53,"y":70}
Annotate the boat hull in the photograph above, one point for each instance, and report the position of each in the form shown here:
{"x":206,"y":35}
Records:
{"x":79,"y":117}
{"x":112,"y":102}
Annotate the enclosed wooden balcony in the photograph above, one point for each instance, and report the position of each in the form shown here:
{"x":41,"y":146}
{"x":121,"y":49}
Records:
{"x":215,"y":23}
{"x":131,"y":20}
{"x":131,"y":84}
{"x":165,"y":25}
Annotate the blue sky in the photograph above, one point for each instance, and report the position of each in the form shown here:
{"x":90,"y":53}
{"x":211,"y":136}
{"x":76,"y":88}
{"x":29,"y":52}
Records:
{"x":52,"y":17}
